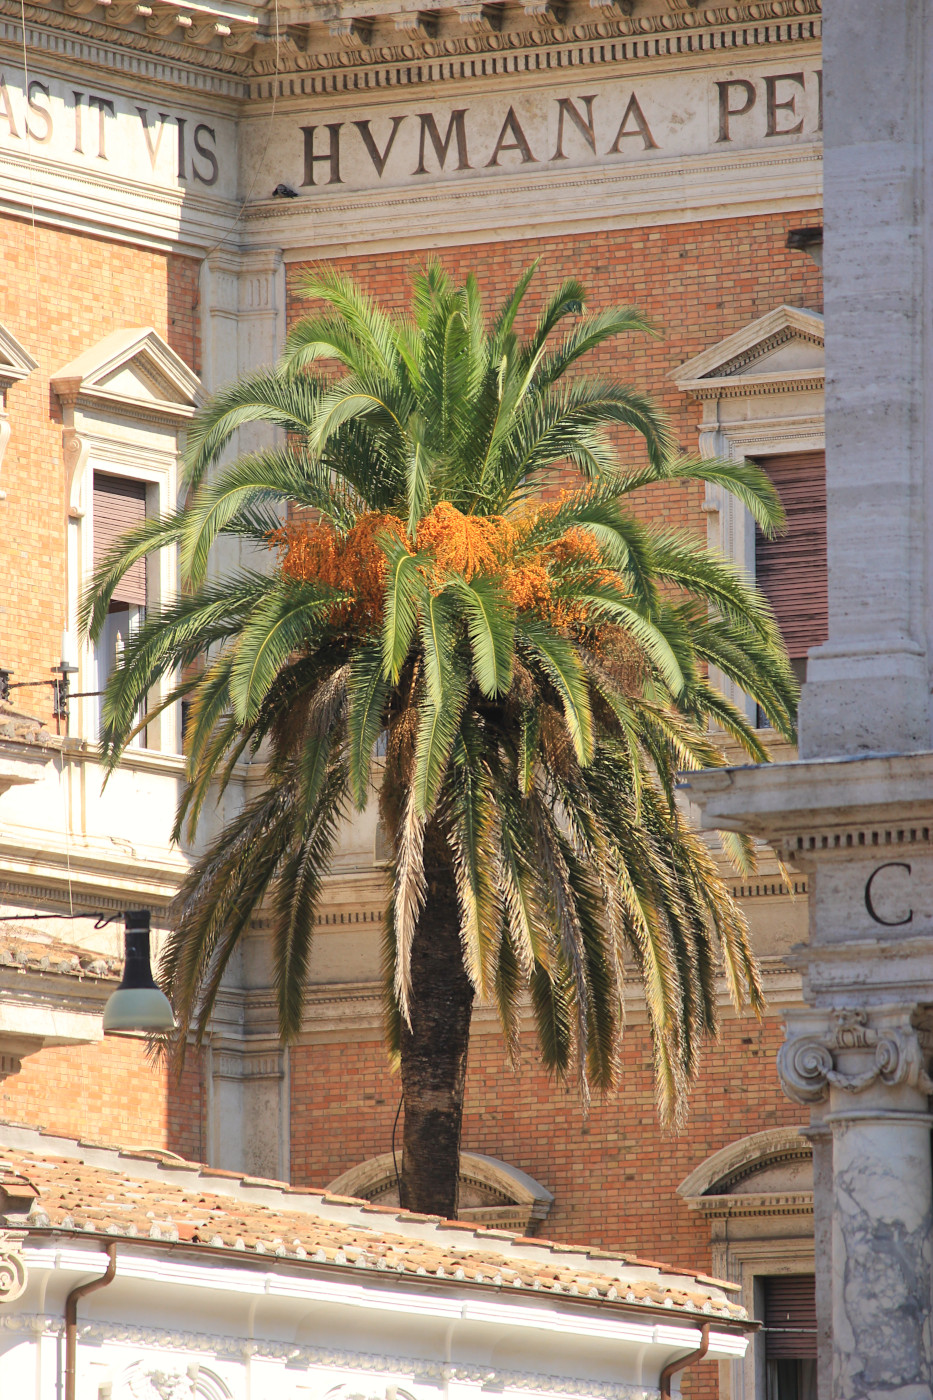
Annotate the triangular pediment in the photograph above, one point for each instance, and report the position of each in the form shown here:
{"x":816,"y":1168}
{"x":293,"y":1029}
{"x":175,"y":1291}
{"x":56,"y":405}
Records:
{"x":15,"y":360}
{"x":132,"y":369}
{"x":779,"y":350}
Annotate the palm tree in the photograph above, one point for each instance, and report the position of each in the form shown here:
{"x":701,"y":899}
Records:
{"x":519,"y":679}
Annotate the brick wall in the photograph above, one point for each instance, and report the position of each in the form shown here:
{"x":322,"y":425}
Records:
{"x":110,"y":1092}
{"x":613,"y":1173}
{"x":60,"y":293}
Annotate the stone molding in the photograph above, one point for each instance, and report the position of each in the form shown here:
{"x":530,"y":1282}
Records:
{"x":809,"y":1064}
{"x":12,"y":1267}
{"x":221,"y":53}
{"x":726,"y":370}
{"x":252,"y":1066}
{"x":15,"y":364}
{"x":750,"y":1206}
{"x":134,"y":51}
{"x":725,"y":1168}
{"x":175,"y":391}
{"x":657,"y":191}
{"x":484,"y":51}
{"x":516,"y":1195}
{"x":237,"y":1348}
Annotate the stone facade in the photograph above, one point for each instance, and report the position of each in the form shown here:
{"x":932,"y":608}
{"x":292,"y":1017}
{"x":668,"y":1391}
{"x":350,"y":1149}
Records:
{"x":176,"y":173}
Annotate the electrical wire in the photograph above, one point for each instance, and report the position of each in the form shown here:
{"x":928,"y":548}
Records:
{"x":101,"y":920}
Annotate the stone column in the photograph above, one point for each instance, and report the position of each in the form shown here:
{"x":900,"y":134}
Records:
{"x":868,"y":686}
{"x":870,"y":1070}
{"x":862,"y":828}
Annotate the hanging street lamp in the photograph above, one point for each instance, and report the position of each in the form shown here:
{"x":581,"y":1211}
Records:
{"x":137,"y":1004}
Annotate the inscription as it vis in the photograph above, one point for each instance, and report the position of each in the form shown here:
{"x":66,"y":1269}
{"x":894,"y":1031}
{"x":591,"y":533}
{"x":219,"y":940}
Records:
{"x":152,"y":145}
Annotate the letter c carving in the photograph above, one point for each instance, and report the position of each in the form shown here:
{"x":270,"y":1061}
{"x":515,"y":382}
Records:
{"x":872,"y":912}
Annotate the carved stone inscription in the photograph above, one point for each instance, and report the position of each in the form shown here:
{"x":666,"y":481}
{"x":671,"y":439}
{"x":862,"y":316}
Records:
{"x":149,"y":141}
{"x":355,"y":147}
{"x":885,"y":895}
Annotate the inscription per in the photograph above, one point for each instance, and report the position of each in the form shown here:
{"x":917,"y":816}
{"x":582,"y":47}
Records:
{"x":616,"y":123}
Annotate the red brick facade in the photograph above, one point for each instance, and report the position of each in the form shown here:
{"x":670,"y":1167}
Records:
{"x":614,"y":1173}
{"x":59,"y":294}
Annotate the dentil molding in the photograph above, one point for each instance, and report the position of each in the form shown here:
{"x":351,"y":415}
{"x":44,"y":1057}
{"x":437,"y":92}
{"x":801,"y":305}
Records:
{"x":216,"y":53}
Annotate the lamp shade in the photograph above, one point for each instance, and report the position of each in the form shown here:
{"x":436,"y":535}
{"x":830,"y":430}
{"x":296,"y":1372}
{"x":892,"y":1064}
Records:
{"x":137,"y":1004}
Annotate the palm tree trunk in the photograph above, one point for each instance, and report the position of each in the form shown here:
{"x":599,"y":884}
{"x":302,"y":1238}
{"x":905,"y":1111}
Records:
{"x":434,"y":1050}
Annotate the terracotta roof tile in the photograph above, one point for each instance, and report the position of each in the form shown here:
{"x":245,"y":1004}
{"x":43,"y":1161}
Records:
{"x":31,"y":952}
{"x":145,"y":1195}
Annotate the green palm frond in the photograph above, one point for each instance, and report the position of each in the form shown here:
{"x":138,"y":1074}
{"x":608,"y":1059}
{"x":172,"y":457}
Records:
{"x":284,"y":621}
{"x":288,"y":401}
{"x":368,"y":691}
{"x":136,"y":544}
{"x":491,"y":629}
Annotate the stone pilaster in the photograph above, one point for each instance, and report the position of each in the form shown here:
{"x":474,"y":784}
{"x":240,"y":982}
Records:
{"x":869,"y":1071}
{"x":868,"y":686}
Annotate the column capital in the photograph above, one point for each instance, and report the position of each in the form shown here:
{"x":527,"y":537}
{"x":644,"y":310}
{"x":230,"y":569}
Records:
{"x":854,"y":1049}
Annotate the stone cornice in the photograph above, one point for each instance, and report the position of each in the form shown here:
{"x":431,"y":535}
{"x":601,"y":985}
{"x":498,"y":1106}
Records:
{"x":432,"y":1373}
{"x":134,"y":53}
{"x":546,"y":49}
{"x":239,"y":50}
{"x":760,"y":386}
{"x":768,"y":1203}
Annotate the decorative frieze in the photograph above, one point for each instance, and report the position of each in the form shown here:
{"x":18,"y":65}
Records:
{"x":238,"y":44}
{"x":358,"y":1363}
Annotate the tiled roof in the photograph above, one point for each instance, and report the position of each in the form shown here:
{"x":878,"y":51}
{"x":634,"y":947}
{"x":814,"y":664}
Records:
{"x":25,"y":729}
{"x":37,"y":954}
{"x":154,"y":1196}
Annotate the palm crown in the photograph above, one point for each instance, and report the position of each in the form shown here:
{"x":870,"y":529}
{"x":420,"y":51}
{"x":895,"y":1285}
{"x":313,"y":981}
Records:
{"x":521,"y":678}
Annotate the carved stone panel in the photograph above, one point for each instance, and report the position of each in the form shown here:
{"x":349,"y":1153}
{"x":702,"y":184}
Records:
{"x":12,"y":1267}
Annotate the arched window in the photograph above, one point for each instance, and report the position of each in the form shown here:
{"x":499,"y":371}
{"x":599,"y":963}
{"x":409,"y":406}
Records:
{"x":491,"y":1192}
{"x":757,"y":1195}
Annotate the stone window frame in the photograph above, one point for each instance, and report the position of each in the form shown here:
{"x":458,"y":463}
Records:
{"x":16,"y":364}
{"x":519,"y":1201}
{"x":125,"y":402}
{"x":749,"y":410}
{"x":783,"y":1244}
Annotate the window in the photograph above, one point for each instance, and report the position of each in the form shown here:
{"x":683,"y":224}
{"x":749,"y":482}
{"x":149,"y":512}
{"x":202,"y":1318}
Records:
{"x":119,"y":504}
{"x":125,"y":405}
{"x":789,"y":1307}
{"x":761,"y":390}
{"x":790,"y":568}
{"x":756,"y":1195}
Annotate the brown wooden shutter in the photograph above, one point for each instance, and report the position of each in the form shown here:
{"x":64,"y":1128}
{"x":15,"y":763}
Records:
{"x":790,"y":1317}
{"x":119,"y":504}
{"x":791,"y":568}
